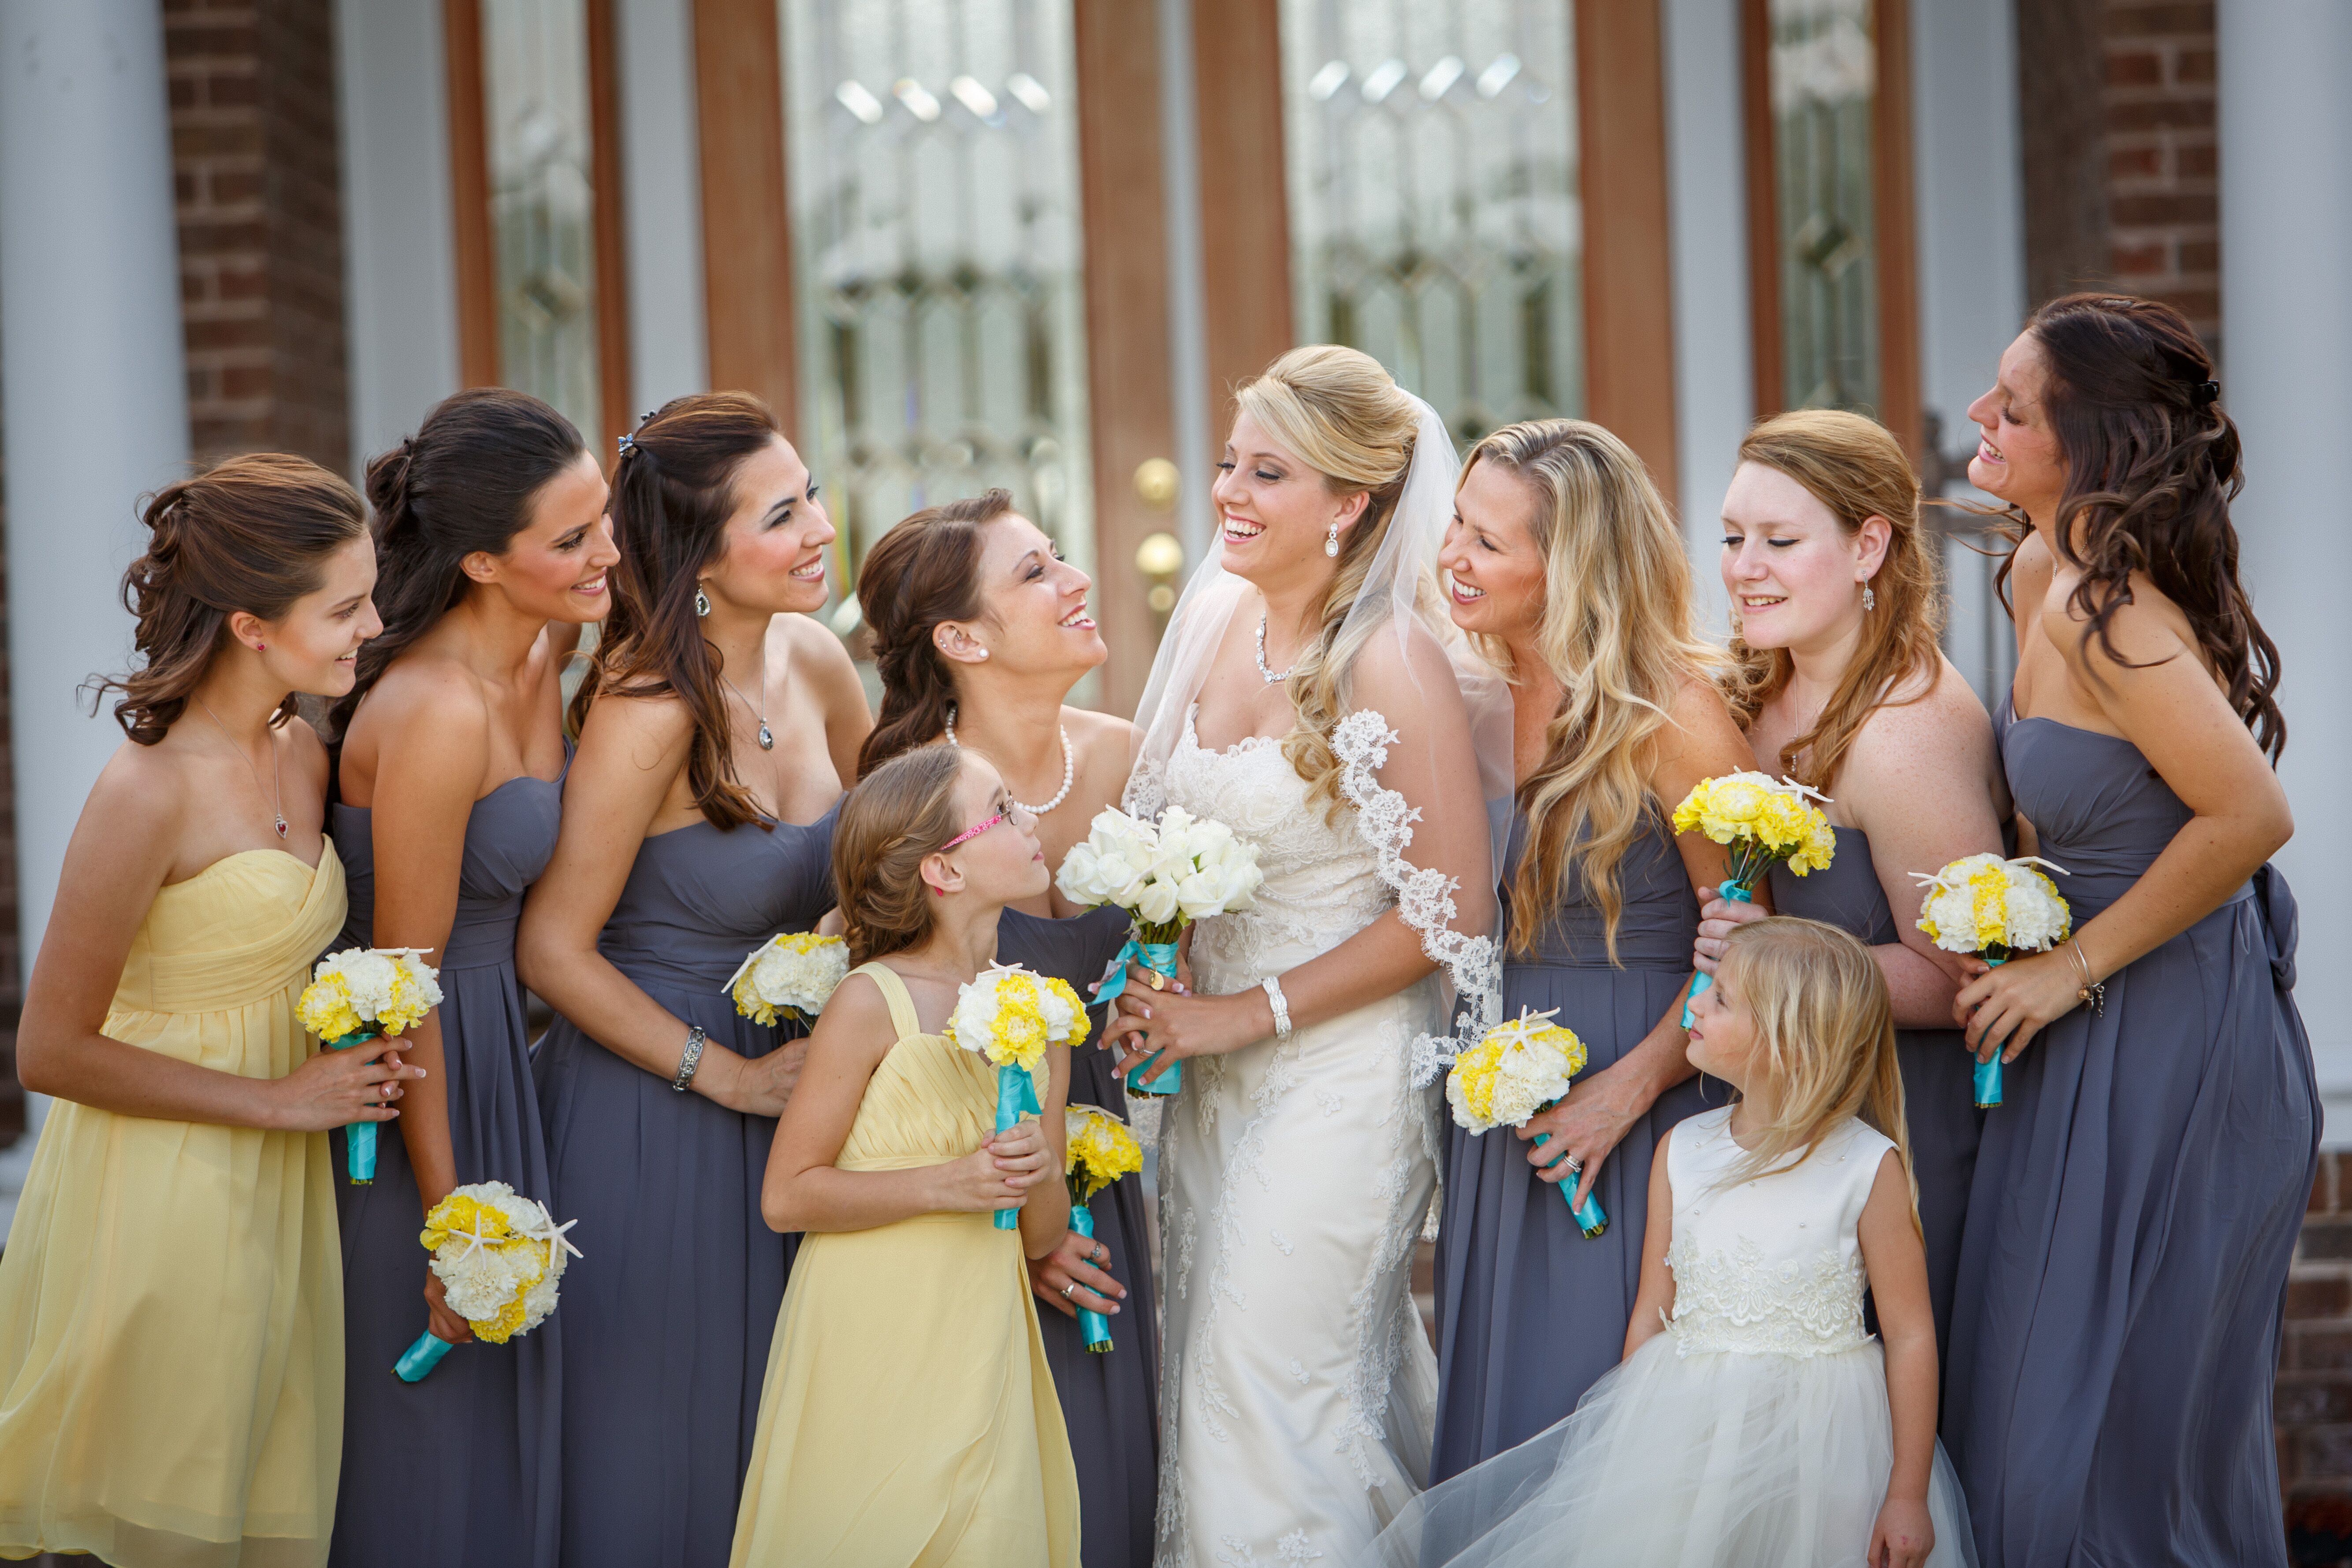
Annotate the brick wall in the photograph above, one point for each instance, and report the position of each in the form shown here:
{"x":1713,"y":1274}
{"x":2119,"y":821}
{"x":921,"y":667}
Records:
{"x":2314,"y":1380}
{"x":2164,"y":235}
{"x":261,"y":248}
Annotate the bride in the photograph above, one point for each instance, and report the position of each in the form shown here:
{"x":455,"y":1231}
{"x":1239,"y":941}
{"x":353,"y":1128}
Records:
{"x":1310,"y":695}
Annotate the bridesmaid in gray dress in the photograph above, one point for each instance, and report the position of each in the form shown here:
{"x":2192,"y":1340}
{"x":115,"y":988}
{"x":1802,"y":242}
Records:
{"x":697,"y":822}
{"x":492,"y":548}
{"x":1837,"y":678}
{"x":2139,"y":1191}
{"x":1567,"y":568}
{"x":980,"y":632}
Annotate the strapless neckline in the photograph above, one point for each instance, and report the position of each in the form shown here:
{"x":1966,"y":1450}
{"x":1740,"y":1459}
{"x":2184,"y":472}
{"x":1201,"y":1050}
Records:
{"x":310,"y":870}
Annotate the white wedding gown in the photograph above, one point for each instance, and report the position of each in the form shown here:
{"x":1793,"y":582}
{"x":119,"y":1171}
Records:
{"x":1298,"y":1389}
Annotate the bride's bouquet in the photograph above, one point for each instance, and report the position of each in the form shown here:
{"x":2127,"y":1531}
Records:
{"x":1993,"y":909}
{"x":1519,"y":1068}
{"x":792,"y":975}
{"x":1010,"y":1015}
{"x":1764,"y":821}
{"x":1166,"y":875}
{"x":1101,"y":1150}
{"x":498,"y":1256}
{"x":360,"y":994}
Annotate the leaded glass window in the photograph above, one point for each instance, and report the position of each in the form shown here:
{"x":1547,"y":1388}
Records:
{"x":542,"y":201}
{"x":935,"y":202}
{"x":1825,"y":77}
{"x":1434,"y":216}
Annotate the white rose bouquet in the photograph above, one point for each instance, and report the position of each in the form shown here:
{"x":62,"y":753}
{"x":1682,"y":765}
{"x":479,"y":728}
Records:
{"x":1993,"y":909}
{"x":1009,"y":1015}
{"x":358,"y":995}
{"x":791,"y":975}
{"x":1166,"y":875}
{"x":1517,"y":1070}
{"x":498,"y":1256}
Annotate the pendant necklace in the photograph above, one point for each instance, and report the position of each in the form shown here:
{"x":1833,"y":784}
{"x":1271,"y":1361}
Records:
{"x":278,"y":809}
{"x":767,"y":740}
{"x":1069,"y":767}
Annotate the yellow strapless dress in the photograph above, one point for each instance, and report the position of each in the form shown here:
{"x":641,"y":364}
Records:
{"x":171,"y":1296}
{"x":908,"y":1416}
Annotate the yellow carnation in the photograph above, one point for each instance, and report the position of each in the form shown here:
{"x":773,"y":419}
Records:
{"x":325,"y":1009}
{"x":1101,"y":1150}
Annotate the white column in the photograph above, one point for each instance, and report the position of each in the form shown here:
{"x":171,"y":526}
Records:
{"x":2287,"y":377}
{"x":661,"y":183}
{"x":95,"y":384}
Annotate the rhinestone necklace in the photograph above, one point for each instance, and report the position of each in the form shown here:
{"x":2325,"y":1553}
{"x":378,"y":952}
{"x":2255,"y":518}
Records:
{"x":1069,"y":767}
{"x":1273,"y":677}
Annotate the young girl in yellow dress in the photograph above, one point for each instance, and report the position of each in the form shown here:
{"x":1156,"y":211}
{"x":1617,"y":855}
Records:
{"x":887,"y":1159}
{"x":171,"y":1299}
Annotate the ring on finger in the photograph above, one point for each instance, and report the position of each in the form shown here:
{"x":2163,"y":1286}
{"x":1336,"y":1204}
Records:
{"x":1575,"y":1166}
{"x":1102,"y":1253}
{"x":1068,"y":1290}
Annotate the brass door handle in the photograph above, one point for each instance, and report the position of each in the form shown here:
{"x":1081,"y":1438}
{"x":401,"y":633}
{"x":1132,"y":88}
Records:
{"x":1157,"y":483}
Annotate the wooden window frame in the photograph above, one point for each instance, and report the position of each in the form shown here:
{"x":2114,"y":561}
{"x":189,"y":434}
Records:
{"x":1893,"y":221}
{"x":469,"y":192}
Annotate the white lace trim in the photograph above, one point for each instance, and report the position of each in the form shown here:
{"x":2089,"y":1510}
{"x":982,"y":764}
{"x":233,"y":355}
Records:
{"x":1424,"y":895}
{"x":1735,"y":1300}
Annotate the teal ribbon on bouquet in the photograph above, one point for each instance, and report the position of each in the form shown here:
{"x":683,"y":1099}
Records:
{"x":1988,"y":1074}
{"x":1016,"y":1096}
{"x":1590,"y":1218}
{"x":1160,"y":957}
{"x":359,"y":1144}
{"x":421,"y":1357}
{"x":1092,"y":1324}
{"x":1732,"y":892}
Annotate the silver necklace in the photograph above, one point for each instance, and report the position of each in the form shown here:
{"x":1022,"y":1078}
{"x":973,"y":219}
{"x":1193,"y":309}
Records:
{"x":1272,"y":678}
{"x":767,"y":740}
{"x":278,"y":808}
{"x":1069,"y":767}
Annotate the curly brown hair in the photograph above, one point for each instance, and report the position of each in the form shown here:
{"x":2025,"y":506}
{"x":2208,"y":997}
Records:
{"x":897,"y":817}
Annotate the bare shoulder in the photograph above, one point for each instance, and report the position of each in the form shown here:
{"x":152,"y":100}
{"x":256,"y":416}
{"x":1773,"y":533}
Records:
{"x":1944,"y":722}
{"x":2148,"y":628}
{"x":304,"y":752}
{"x":1396,"y":675}
{"x":1700,"y":731}
{"x":856,"y":1023}
{"x":428,"y":695}
{"x":142,"y":792}
{"x":811,"y":647}
{"x":649,"y":731}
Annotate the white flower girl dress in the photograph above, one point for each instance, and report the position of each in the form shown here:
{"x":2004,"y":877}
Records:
{"x":1754,"y":1432}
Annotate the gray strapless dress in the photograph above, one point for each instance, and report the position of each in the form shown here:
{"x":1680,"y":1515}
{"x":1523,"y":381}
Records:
{"x":2123,"y":1272}
{"x":462,"y":1468}
{"x":670,"y":1312}
{"x":1939,"y":1097}
{"x":1529,"y":1312}
{"x":1109,"y":1403}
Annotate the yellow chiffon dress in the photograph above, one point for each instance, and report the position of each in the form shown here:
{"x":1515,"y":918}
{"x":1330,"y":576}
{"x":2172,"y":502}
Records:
{"x":171,"y":1299}
{"x":909,"y":1415}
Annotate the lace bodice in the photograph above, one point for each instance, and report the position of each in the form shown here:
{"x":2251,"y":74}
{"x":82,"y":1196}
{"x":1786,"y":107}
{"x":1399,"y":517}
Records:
{"x":1770,"y":1266}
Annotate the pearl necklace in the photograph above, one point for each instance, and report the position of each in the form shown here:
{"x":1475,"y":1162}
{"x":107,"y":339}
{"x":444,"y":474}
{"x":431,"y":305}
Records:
{"x":1069,"y":767}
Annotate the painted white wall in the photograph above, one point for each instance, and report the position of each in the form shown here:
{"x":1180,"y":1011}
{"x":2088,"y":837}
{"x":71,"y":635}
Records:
{"x":400,"y":282}
{"x":1971,"y":249}
{"x":661,"y":183}
{"x":1713,"y":369}
{"x":2286,"y":228}
{"x":1197,"y":444}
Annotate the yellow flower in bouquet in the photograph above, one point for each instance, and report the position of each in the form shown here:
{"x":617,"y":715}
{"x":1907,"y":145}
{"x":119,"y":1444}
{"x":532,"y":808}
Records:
{"x":1984,"y":904}
{"x":498,"y":1256}
{"x":1763,"y":819}
{"x":1102,"y":1150}
{"x":386,"y":989}
{"x":1519,"y":1068}
{"x":1010,"y":1015}
{"x":795,"y":973}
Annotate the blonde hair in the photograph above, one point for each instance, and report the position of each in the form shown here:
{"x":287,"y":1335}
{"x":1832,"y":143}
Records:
{"x":1616,"y":633}
{"x":1853,"y":466}
{"x":1341,"y":415}
{"x":1825,"y":1024}
{"x":898,"y":816}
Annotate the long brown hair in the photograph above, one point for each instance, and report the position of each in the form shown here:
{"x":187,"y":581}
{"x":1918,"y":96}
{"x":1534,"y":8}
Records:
{"x":1856,"y":469}
{"x":924,"y":570}
{"x":897,"y":817}
{"x":1617,"y":634}
{"x":464,"y":482}
{"x":673,"y":490}
{"x":251,"y":533}
{"x":2152,"y":464}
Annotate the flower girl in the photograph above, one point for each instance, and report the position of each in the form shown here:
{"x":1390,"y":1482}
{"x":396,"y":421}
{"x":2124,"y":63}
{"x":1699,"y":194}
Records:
{"x":888,"y":1159}
{"x":1752,"y":1420}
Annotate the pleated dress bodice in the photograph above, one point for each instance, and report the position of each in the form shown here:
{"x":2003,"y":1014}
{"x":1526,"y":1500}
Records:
{"x":510,"y":838}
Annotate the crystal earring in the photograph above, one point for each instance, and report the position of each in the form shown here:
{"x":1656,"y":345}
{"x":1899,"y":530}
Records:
{"x":701,"y":601}
{"x":1331,"y":540}
{"x":1869,"y":598}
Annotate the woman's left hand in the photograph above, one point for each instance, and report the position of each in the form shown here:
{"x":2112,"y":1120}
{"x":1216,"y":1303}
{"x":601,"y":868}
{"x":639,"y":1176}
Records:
{"x":1716,"y":920}
{"x":2007,"y":1005}
{"x":1175,"y":1024}
{"x":1585,"y":1127}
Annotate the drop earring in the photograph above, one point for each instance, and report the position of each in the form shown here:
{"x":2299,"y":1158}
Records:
{"x":1869,"y":598}
{"x":1331,"y":540}
{"x":701,"y":601}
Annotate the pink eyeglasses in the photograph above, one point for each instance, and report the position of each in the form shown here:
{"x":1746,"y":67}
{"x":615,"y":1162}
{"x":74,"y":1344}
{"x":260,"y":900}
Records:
{"x":974,"y":831}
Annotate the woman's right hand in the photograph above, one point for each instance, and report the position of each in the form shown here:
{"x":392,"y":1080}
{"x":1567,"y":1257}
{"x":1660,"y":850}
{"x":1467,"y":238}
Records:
{"x":1080,"y":1266}
{"x":1719,"y":916}
{"x":337,"y":1088}
{"x":442,"y":1318}
{"x":754,"y":1086}
{"x":976,"y":1184}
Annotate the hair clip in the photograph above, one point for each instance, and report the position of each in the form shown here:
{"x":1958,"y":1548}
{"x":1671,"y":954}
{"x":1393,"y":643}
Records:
{"x":627,"y":442}
{"x":2204,"y":393}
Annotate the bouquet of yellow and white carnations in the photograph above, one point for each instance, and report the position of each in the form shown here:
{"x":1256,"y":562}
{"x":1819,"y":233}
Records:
{"x":358,"y":995}
{"x":1521,"y":1068}
{"x":1166,"y":875}
{"x":1010,"y":1015}
{"x":1993,"y":909}
{"x":1764,"y":821}
{"x":793,"y":974}
{"x":1101,"y":1151}
{"x":498,"y":1256}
